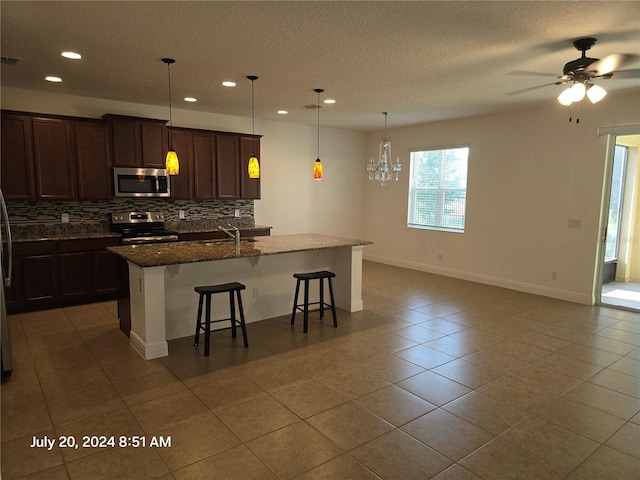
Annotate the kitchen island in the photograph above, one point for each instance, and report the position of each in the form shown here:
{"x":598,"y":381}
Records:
{"x":163,"y":305}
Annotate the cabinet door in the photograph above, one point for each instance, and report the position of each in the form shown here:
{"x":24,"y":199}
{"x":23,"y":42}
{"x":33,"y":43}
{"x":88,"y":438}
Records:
{"x":75,"y":275}
{"x":154,"y":144}
{"x":104,"y":272}
{"x":54,"y":159}
{"x":228,"y":166}
{"x":127,"y":146}
{"x":38,"y":275}
{"x":204,"y":166}
{"x":182,"y":184}
{"x":249,"y":187}
{"x":93,"y":160}
{"x":16,"y":167}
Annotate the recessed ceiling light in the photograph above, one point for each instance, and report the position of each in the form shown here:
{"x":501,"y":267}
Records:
{"x":53,"y":79}
{"x":329,"y":100}
{"x":229,"y":84}
{"x":71,"y":55}
{"x":282,"y":112}
{"x":190,"y":99}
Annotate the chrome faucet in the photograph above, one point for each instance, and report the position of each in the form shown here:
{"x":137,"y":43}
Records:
{"x":235,"y":235}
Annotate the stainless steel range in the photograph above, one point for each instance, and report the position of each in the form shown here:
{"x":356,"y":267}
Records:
{"x":141,"y":227}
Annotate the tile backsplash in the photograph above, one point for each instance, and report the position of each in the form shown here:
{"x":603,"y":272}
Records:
{"x":51,"y":212}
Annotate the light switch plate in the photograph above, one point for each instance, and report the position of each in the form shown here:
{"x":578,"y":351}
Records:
{"x":65,"y":218}
{"x":237,"y":212}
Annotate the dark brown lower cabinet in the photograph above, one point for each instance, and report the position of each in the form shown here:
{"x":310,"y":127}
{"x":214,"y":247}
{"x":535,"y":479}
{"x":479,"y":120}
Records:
{"x":38,"y":273}
{"x":50,"y":274}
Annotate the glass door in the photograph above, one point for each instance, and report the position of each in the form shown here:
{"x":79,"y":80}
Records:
{"x":620,"y":270}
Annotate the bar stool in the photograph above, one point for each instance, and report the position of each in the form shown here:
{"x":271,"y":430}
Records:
{"x":322,"y":304}
{"x":206,"y":292}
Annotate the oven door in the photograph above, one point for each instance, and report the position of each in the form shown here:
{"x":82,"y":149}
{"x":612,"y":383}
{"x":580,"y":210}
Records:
{"x":141,"y":182}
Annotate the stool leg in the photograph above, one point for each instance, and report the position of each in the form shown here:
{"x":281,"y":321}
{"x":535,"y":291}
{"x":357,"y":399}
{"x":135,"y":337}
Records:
{"x":295,"y":302}
{"x":333,"y":304}
{"x":232,"y":309}
{"x":207,"y":328}
{"x":197,"y":337}
{"x":306,"y":307}
{"x":322,"y":299}
{"x":243,"y":325}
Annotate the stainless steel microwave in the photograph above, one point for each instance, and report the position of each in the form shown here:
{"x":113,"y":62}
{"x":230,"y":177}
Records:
{"x":141,"y":182}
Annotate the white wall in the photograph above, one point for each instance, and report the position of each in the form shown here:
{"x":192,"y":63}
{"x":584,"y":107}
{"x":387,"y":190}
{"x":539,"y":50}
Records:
{"x":291,"y":201}
{"x":530,"y":172}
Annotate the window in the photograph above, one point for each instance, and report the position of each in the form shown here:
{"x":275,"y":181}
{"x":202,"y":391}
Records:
{"x":438,"y":189}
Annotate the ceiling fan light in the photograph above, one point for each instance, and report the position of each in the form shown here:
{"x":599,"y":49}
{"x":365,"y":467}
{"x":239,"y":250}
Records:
{"x":577,"y":91}
{"x":596,"y":93}
{"x":565,"y":97}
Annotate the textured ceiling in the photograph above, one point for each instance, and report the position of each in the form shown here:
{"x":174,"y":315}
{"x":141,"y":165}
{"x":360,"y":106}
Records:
{"x":420,"y":60}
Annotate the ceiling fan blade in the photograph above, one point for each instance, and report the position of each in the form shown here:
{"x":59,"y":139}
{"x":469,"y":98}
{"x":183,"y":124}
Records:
{"x":608,"y":64}
{"x":524,"y":90}
{"x":532,"y":74}
{"x":623,"y":74}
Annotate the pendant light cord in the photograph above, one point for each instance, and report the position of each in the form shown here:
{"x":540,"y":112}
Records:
{"x":318,"y":91}
{"x":169,"y":61}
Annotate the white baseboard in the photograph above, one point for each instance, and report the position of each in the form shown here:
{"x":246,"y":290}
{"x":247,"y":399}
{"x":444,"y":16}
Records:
{"x":148,"y":352}
{"x":486,"y":279}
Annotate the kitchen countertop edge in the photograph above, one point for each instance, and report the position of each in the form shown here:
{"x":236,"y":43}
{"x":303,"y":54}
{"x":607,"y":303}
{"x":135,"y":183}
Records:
{"x":162,"y":254}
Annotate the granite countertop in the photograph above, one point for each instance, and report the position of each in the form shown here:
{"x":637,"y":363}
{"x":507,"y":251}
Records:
{"x":80,"y":231}
{"x":61,"y":231}
{"x":158,"y":254}
{"x":196,"y":228}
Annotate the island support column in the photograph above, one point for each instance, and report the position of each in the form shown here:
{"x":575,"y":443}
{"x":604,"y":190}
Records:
{"x":146,"y":287}
{"x":348,"y":282}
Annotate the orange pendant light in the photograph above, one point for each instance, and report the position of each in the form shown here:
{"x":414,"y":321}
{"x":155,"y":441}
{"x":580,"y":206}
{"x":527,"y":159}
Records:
{"x":254,"y":165}
{"x":317,"y":166}
{"x":171,"y":162}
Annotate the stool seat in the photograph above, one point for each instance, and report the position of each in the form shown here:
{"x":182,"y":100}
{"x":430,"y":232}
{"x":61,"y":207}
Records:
{"x":223,"y":287}
{"x":205,"y":292}
{"x":314,"y":275}
{"x":304,"y":307}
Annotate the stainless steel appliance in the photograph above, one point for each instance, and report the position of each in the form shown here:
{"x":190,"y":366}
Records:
{"x":141,"y":182}
{"x":5,"y":267}
{"x":141,"y":227}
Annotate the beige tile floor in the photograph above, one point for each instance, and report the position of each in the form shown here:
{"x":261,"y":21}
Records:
{"x":437,"y":378}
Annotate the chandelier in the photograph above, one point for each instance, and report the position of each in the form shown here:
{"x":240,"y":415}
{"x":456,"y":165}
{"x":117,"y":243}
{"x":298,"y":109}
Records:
{"x":385,"y":168}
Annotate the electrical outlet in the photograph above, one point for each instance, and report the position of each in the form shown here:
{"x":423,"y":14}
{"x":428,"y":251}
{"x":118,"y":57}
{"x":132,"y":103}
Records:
{"x":181,"y":214}
{"x":237,"y":213}
{"x":256,"y":292}
{"x":554,"y":275}
{"x":65,"y":218}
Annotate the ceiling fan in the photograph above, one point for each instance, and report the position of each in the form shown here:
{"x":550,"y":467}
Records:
{"x":582,"y":71}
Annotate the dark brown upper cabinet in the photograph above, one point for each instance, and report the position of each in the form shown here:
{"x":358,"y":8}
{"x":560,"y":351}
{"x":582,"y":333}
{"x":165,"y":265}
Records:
{"x":54,"y":155}
{"x":227,"y":166}
{"x":249,"y":187}
{"x":182,"y":184}
{"x":138,"y":142}
{"x":204,"y":165}
{"x":16,"y":166}
{"x":93,"y":160}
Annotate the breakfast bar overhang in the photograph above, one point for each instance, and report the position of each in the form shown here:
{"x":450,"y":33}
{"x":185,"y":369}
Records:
{"x":163,"y":305}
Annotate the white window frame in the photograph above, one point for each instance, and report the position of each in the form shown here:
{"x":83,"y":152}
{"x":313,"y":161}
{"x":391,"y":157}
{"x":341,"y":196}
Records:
{"x":439,"y":222}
